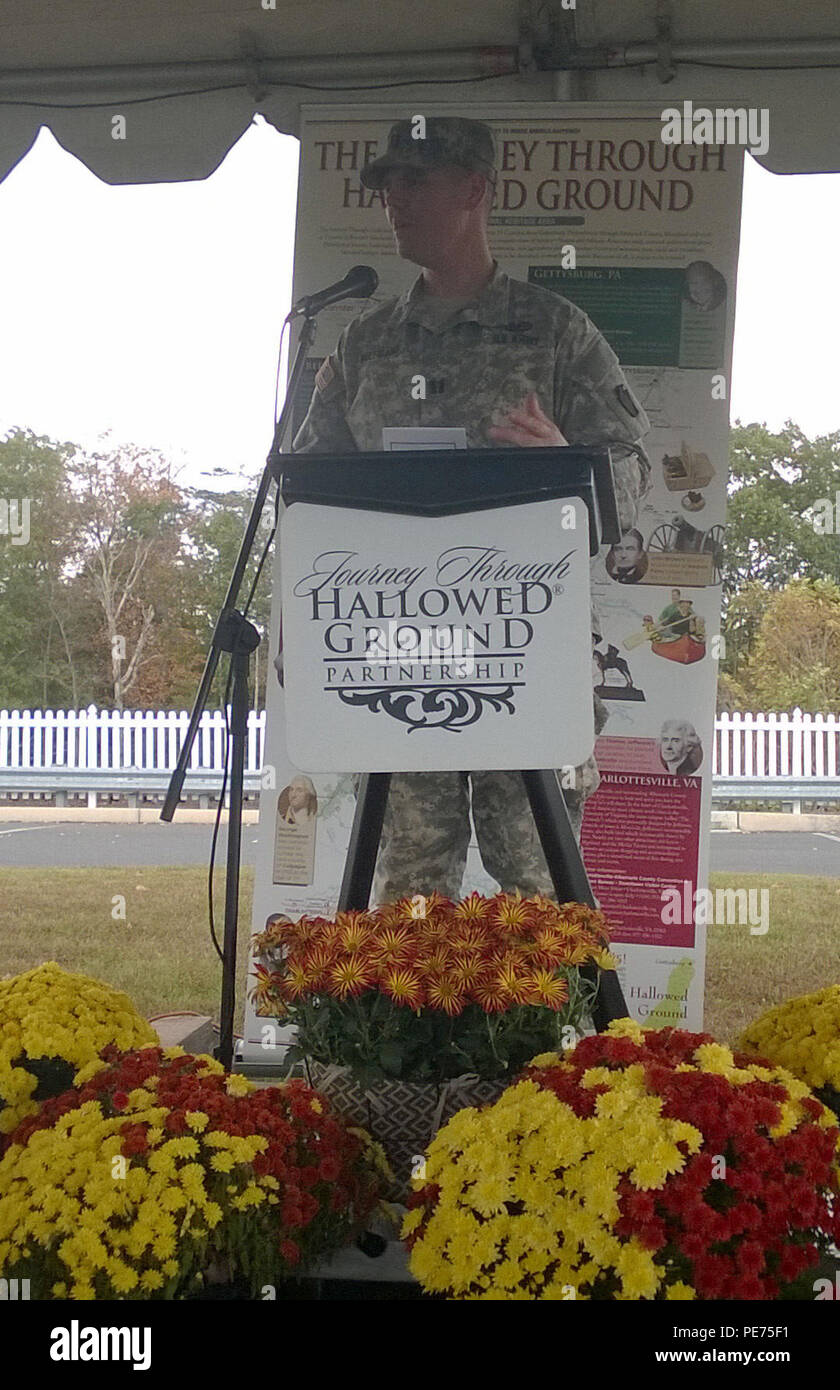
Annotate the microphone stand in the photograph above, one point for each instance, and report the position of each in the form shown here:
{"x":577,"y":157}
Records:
{"x":239,"y":638}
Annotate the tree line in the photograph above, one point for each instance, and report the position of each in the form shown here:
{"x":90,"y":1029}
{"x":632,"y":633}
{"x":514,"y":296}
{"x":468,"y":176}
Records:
{"x":781,"y":574}
{"x":113,"y":597}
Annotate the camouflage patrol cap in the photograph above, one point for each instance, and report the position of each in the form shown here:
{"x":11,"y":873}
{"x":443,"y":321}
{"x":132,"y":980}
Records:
{"x":455,"y":140}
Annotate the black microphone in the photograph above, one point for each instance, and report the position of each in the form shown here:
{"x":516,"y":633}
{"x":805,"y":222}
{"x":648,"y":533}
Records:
{"x":358,"y":283}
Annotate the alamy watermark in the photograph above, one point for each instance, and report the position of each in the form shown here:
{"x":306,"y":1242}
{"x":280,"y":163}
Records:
{"x":824,"y":515}
{"x":723,"y":125}
{"x":440,"y":645}
{"x":724,"y":907}
{"x":14,"y":519}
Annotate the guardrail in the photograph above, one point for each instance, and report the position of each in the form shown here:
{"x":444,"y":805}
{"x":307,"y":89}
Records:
{"x":131,"y":784}
{"x":789,"y":757}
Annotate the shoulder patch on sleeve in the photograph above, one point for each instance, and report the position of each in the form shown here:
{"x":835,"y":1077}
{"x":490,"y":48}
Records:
{"x":325,"y":374}
{"x":626,"y":399}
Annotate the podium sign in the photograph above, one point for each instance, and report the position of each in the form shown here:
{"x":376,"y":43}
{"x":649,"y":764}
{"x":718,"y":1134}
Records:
{"x":455,"y":642}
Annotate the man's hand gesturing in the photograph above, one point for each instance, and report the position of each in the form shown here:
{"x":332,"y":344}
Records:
{"x":527,"y":426}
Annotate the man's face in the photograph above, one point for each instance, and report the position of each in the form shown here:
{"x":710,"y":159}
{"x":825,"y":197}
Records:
{"x":429,"y":211}
{"x":626,"y":552}
{"x":297,"y":797}
{"x":673,"y":747}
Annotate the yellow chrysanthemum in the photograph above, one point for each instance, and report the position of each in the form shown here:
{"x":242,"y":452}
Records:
{"x":236,"y":1085}
{"x":49,"y":1012}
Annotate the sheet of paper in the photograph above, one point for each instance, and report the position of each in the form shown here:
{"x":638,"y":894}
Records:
{"x":416,"y":437}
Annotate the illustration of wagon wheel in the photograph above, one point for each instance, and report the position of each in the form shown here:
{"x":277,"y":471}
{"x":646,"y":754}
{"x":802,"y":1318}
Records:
{"x":664,"y":537}
{"x":713,"y":545}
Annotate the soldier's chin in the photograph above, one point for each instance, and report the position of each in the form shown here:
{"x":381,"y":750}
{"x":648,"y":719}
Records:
{"x":409,"y":250}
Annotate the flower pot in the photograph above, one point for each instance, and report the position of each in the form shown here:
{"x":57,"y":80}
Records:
{"x":403,"y":1116}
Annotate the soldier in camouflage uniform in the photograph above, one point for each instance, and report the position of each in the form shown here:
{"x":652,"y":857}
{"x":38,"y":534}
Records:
{"x":511,"y":363}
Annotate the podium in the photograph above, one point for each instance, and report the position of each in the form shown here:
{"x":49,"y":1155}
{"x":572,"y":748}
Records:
{"x":330,"y":597}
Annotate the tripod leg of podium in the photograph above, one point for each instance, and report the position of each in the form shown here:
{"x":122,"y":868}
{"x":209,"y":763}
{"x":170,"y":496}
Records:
{"x":371,"y":800}
{"x":570,"y":879}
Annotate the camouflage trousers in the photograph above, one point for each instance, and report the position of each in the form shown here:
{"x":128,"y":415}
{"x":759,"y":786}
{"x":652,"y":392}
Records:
{"x":426,"y":832}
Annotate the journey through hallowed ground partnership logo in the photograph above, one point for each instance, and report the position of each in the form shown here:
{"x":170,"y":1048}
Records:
{"x":432,"y":647}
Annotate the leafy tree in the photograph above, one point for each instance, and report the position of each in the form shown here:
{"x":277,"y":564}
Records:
{"x":783,"y":487}
{"x":776,"y":484}
{"x":795,"y":659}
{"x":114,"y":597}
{"x":127,"y":537}
{"x":39,"y":665}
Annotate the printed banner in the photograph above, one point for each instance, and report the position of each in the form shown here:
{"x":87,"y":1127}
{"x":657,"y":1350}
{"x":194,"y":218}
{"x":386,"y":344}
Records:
{"x":417,"y":644}
{"x":642,"y":235}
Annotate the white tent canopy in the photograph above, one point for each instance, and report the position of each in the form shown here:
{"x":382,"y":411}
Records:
{"x":188,"y":75}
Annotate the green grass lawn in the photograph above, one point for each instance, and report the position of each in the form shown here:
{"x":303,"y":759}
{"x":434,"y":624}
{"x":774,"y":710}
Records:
{"x":801,"y":952}
{"x":162,"y":954}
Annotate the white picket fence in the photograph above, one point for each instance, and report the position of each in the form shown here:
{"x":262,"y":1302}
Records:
{"x":109,"y":739}
{"x":757,"y":755}
{"x":762,"y":746}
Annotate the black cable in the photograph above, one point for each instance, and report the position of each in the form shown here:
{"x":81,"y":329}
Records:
{"x":229,"y":686}
{"x":233,"y":86}
{"x":225,"y":705}
{"x":752,"y":67}
{"x":218,"y":821}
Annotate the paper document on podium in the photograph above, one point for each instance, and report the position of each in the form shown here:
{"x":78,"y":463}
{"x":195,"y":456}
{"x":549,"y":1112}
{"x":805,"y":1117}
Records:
{"x":418,"y":437}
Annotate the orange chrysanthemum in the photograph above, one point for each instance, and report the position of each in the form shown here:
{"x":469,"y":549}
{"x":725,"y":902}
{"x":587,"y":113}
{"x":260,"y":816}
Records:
{"x":472,"y":909}
{"x":490,"y":996}
{"x":392,"y":945}
{"x":548,"y":947}
{"x":435,"y":962}
{"x":404,"y":987}
{"x":388,"y":916}
{"x":268,"y":987}
{"x":354,"y":917}
{"x":436,"y":902}
{"x":469,"y":970}
{"x":473,"y":936}
{"x":513,"y":913}
{"x":317,"y":965}
{"x":514,"y":983}
{"x":434,"y":930}
{"x":443,"y":993}
{"x":296,"y":980}
{"x":568,"y":931}
{"x":355,"y":937}
{"x":579,"y":954}
{"x":549,"y":989}
{"x":350,"y":976}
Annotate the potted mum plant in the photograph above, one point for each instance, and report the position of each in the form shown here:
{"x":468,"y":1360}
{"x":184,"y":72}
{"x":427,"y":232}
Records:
{"x":803,"y":1035}
{"x":641,"y":1164}
{"x":52,"y":1024}
{"x":160,"y":1172}
{"x":408,"y":1012}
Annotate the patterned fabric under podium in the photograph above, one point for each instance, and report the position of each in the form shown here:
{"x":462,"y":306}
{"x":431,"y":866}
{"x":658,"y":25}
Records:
{"x":402,"y":1116}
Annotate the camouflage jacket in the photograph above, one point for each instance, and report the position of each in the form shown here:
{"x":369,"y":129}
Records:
{"x":478,"y":363}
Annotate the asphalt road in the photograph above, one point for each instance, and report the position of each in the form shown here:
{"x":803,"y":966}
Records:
{"x":77,"y":844}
